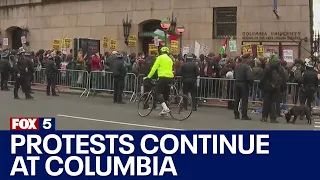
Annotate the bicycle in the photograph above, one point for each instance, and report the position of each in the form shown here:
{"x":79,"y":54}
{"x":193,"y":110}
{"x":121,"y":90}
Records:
{"x":177,"y":100}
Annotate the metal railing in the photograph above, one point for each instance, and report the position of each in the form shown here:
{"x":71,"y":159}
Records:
{"x":207,"y":88}
{"x":101,"y":81}
{"x":65,"y":78}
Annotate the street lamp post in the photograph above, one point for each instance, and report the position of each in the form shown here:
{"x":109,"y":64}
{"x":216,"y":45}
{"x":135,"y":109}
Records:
{"x":165,"y":25}
{"x":180,"y":30}
{"x":126,"y":29}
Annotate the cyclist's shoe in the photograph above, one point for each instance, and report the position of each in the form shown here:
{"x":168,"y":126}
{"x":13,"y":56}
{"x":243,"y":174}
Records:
{"x":164,"y":111}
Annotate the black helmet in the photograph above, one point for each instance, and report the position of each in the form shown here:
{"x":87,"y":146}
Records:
{"x":189,"y":57}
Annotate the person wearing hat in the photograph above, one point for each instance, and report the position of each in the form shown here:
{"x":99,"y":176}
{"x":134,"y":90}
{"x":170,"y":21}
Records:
{"x":309,"y":83}
{"x":272,"y":83}
{"x":189,"y":71}
{"x":21,"y":69}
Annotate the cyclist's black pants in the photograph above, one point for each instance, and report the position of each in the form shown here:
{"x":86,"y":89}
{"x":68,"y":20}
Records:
{"x":163,"y":87}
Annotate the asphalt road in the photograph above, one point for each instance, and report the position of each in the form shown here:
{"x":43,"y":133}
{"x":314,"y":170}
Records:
{"x":75,"y":113}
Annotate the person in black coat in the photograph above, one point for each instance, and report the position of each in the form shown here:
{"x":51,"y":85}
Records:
{"x":21,"y":69}
{"x":51,"y":73}
{"x":272,"y":83}
{"x":28,"y":56}
{"x":119,"y":74}
{"x":189,"y":71}
{"x":243,"y":81}
{"x":5,"y":69}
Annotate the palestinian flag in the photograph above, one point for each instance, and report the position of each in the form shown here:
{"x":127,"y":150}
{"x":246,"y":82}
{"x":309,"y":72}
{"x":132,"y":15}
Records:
{"x":159,"y":33}
{"x":161,"y":37}
{"x":223,"y":46}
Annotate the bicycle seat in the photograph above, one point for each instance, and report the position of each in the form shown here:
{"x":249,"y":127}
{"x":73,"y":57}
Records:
{"x":153,"y":81}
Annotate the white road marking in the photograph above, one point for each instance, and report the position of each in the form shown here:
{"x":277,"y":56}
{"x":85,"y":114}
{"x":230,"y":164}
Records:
{"x":117,"y":122}
{"x":316,"y":124}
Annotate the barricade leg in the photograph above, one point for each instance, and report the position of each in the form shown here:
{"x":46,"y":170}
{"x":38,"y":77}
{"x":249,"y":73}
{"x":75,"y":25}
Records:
{"x":87,"y":77}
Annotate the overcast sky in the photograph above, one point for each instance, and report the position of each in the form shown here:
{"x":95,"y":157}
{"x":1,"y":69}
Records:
{"x":316,"y":10}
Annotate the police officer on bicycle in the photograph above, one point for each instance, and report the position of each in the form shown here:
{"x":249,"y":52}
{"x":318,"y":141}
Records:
{"x":189,"y":72}
{"x":164,"y":66}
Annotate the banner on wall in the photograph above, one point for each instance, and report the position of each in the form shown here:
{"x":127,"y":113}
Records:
{"x":23,"y":40}
{"x":56,"y":45}
{"x":113,"y":44}
{"x":204,"y":49}
{"x":233,"y":46}
{"x":185,"y":50}
{"x":247,"y":48}
{"x":260,"y":51}
{"x":132,"y":41}
{"x":288,"y":55}
{"x":67,"y":43}
{"x":5,"y":41}
{"x":105,"y":42}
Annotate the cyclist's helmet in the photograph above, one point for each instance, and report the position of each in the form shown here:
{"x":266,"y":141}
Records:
{"x":189,"y":57}
{"x":164,"y":50}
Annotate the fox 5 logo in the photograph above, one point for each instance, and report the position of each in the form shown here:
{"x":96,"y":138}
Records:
{"x":32,"y":123}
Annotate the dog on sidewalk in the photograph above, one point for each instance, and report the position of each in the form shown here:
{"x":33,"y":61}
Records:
{"x":297,"y":111}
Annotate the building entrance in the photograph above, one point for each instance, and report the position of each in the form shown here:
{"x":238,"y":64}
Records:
{"x":146,"y":30}
{"x":14,"y":34}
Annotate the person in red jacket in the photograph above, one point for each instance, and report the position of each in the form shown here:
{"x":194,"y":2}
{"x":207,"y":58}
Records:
{"x":96,"y":67}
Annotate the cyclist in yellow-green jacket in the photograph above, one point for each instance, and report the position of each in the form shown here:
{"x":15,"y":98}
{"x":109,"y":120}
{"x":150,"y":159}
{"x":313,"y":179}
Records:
{"x":164,"y":66}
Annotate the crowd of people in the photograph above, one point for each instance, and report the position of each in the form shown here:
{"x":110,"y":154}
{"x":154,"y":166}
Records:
{"x":243,"y":71}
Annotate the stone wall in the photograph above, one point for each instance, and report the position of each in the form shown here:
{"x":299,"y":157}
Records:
{"x":95,"y":19}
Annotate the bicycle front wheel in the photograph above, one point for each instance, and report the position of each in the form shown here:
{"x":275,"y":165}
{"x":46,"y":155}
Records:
{"x":180,"y":107}
{"x":145,"y":104}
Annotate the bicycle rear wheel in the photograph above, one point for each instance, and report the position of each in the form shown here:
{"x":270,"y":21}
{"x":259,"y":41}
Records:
{"x":145,"y":104}
{"x":180,"y":107}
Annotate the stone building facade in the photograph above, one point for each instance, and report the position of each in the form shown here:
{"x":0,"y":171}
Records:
{"x":256,"y":23}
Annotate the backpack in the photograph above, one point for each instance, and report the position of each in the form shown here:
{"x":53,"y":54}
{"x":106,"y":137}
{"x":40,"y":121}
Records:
{"x":277,"y":78}
{"x":297,"y":74}
{"x":135,"y":67}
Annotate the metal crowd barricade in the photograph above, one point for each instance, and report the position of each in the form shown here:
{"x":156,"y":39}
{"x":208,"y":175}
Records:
{"x":67,"y":78}
{"x":223,"y":90}
{"x":101,"y":81}
{"x":215,"y":88}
